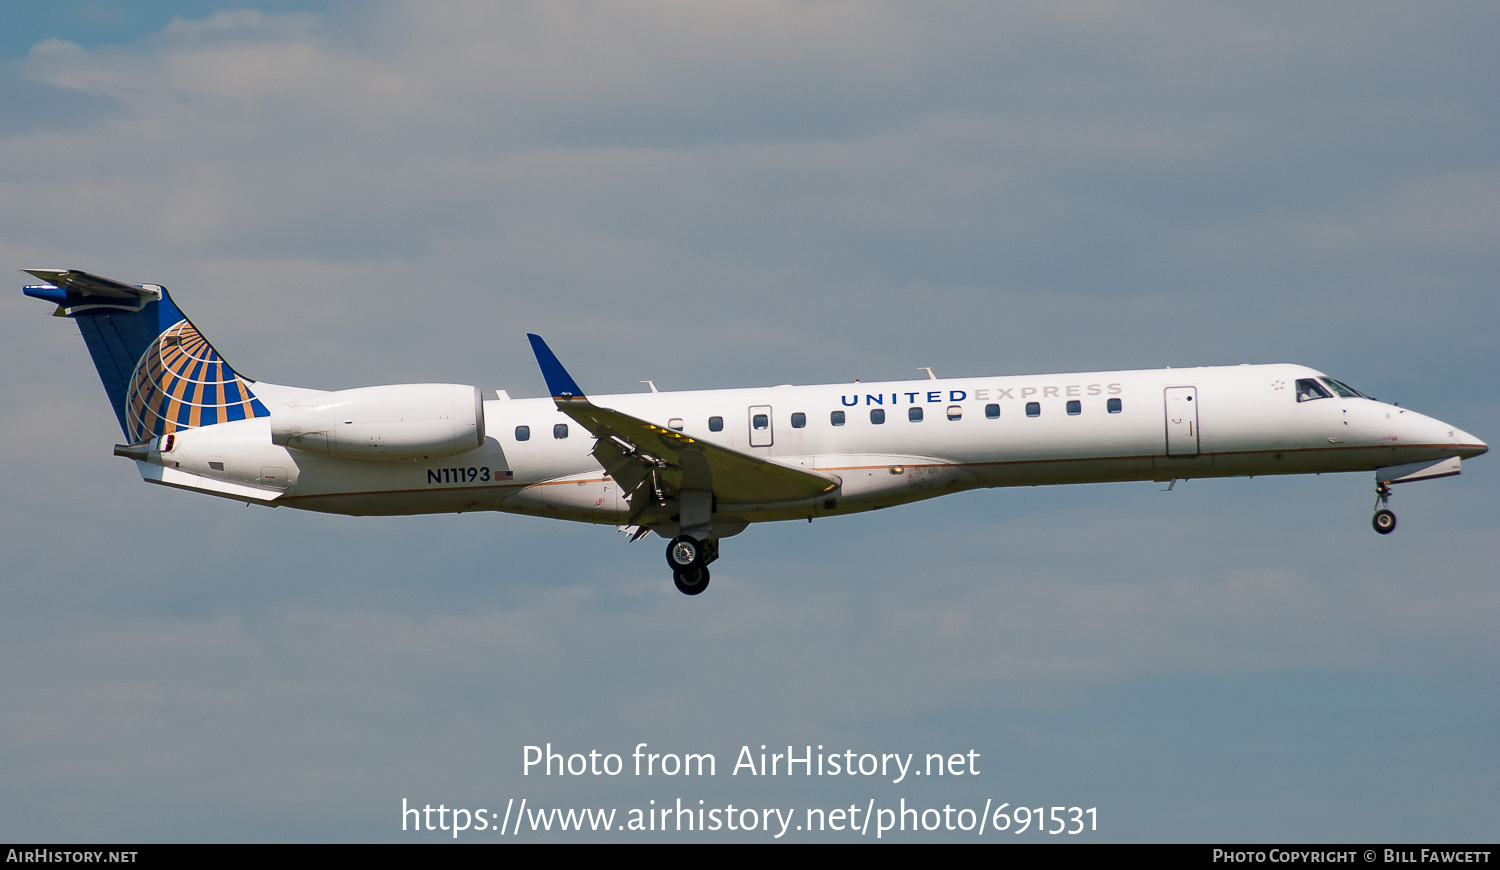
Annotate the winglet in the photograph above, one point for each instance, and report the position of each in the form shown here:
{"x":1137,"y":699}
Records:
{"x":559,"y":382}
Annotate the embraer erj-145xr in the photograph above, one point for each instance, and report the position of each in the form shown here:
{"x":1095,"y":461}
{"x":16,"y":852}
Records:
{"x":695,"y":467}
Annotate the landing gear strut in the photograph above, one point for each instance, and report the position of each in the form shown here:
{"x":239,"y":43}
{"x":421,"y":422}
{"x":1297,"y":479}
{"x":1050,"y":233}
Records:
{"x":1384,"y":520}
{"x":689,"y":559}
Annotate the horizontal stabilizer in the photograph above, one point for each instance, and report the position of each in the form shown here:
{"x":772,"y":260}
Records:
{"x":84,"y":284}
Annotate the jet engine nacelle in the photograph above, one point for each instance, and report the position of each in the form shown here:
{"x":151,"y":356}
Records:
{"x":400,"y":421}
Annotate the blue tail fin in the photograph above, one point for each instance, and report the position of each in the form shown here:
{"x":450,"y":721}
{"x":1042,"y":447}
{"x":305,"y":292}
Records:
{"x":160,"y":373}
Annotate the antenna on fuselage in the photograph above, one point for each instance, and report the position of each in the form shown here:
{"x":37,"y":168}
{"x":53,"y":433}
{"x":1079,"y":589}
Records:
{"x":652,"y":386}
{"x":928,"y":370}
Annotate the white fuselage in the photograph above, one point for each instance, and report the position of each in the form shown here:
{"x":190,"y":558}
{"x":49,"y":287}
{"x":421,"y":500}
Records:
{"x":973,"y":432}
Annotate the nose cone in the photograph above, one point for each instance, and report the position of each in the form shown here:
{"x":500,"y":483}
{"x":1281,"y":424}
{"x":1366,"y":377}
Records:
{"x":1467,"y":446}
{"x":1463,"y":445}
{"x":1419,"y":430}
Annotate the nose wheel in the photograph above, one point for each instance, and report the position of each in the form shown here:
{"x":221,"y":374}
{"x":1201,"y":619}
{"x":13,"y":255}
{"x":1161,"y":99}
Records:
{"x":1384,"y":520}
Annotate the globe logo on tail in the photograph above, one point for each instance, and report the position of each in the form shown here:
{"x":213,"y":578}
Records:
{"x":180,"y":382}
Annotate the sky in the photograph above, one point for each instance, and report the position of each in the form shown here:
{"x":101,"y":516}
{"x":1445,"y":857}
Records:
{"x":741,"y":194}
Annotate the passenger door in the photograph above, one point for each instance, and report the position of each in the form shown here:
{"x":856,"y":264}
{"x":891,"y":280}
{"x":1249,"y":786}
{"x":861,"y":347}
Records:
{"x":1182,"y":421}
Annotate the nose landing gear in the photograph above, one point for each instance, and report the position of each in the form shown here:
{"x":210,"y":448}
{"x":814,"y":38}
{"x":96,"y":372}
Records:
{"x":1384,"y":520}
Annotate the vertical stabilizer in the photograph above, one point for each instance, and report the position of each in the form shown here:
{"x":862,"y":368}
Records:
{"x":160,"y":373}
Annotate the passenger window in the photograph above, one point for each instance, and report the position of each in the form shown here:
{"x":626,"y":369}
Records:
{"x":992,"y":411}
{"x":799,"y":420}
{"x":760,"y":421}
{"x":1309,"y":390}
{"x":914,"y":414}
{"x":1033,"y":409}
{"x":1075,"y":407}
{"x":836,"y":418}
{"x":716,"y":424}
{"x":1113,"y":405}
{"x":560,"y":431}
{"x":675,"y":423}
{"x":523,"y":433}
{"x":955,"y":412}
{"x":877,"y":416}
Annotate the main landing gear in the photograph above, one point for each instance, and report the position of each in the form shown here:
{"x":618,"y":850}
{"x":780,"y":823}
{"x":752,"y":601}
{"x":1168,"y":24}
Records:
{"x":1384,"y":520}
{"x":689,"y":557}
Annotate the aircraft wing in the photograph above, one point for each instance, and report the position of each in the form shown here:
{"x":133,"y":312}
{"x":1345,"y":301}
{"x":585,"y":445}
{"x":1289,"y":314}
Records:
{"x":646,"y":458}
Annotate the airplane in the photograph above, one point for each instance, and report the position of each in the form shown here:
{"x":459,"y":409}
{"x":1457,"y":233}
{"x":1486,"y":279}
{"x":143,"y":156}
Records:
{"x":696,"y":467}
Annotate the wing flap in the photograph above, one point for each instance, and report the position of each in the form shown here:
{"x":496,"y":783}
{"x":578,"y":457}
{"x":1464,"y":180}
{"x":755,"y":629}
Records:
{"x":641,"y":455}
{"x":631,"y":449}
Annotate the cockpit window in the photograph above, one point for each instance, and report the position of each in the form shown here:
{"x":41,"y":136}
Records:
{"x":1309,"y":389}
{"x":1342,"y":389}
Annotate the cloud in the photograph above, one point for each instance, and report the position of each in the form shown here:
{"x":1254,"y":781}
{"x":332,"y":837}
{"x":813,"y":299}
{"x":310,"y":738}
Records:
{"x":738,"y":194}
